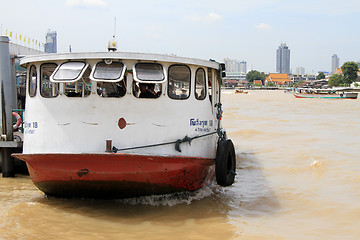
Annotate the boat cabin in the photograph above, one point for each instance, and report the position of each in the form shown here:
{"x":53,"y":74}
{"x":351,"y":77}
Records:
{"x":78,"y":102}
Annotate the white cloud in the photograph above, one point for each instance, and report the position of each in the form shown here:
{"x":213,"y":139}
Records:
{"x":86,"y":3}
{"x":210,"y":18}
{"x":263,"y":26}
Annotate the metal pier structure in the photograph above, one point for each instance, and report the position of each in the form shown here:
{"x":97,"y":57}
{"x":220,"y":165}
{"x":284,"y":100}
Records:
{"x":8,"y":101}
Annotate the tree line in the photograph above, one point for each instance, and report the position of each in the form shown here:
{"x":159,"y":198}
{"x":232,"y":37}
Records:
{"x":349,"y":75}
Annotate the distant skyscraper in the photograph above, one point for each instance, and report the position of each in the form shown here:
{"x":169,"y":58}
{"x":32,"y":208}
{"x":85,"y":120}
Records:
{"x":283,"y":59}
{"x":235,"y":66}
{"x":334,"y":63}
{"x":51,"y":42}
{"x":242,"y":67}
{"x":230,"y":65}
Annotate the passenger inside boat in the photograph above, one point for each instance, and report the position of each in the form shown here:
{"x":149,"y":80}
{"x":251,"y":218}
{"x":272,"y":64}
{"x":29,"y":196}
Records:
{"x":147,"y":90}
{"x":111,"y":89}
{"x":172,"y":91}
{"x":179,"y":81}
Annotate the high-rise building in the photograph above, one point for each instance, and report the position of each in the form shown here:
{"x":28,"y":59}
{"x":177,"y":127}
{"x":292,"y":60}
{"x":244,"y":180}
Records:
{"x":334,"y":63}
{"x":51,"y":42}
{"x":232,"y":65}
{"x":283,"y":59}
{"x":242,"y":67}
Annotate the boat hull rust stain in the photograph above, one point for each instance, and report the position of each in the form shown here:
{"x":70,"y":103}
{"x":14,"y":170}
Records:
{"x":116,"y":175}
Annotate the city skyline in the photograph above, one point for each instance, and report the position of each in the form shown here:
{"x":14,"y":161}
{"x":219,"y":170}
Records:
{"x":249,"y":30}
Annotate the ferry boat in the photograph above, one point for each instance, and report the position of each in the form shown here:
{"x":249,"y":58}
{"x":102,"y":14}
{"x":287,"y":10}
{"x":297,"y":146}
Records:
{"x":325,"y":94}
{"x":116,"y":124}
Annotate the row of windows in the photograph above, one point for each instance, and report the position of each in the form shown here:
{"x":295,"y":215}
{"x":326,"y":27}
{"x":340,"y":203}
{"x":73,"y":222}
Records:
{"x":67,"y":79}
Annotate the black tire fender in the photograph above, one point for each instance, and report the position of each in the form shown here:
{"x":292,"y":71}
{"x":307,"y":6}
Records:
{"x":225,"y":163}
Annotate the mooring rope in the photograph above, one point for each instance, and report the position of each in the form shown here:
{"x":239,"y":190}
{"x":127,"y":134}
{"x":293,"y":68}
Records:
{"x":177,"y":143}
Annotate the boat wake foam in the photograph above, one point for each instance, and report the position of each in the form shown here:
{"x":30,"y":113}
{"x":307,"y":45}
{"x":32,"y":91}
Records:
{"x":169,"y":199}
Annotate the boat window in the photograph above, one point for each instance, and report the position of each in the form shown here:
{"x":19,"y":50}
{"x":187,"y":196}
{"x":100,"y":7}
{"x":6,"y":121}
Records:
{"x":200,"y":86}
{"x":80,"y":88}
{"x":149,"y":73}
{"x":69,"y":72}
{"x":111,"y":89}
{"x":108,"y":71}
{"x":210,"y":80}
{"x":179,"y":82}
{"x":48,"y":89}
{"x":146,"y":90}
{"x":32,"y":81}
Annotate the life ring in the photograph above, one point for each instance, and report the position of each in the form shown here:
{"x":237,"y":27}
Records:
{"x":225,"y":163}
{"x":18,"y":120}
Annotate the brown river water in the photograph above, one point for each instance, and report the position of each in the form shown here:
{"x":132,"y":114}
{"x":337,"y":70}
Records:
{"x":298,"y":177}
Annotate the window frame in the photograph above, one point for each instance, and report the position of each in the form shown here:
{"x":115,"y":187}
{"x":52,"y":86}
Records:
{"x":30,"y":81}
{"x":190,"y":72}
{"x":122,"y":74}
{"x":149,"y":81}
{"x":204,"y":75}
{"x":55,"y":84}
{"x":78,"y":77}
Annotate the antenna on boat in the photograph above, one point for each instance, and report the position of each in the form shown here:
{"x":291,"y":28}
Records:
{"x":112,"y":45}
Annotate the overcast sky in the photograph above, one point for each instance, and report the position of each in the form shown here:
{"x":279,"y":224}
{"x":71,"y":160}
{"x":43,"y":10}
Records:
{"x":249,"y":30}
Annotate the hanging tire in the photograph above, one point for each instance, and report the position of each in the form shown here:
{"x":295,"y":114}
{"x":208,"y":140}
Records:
{"x":225,"y":163}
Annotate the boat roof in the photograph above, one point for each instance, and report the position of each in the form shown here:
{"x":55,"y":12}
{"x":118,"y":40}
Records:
{"x":117,"y":55}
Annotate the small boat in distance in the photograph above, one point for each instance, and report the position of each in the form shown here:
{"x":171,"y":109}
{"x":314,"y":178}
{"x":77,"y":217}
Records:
{"x":237,"y":91}
{"x":325,"y":94}
{"x":116,"y":124}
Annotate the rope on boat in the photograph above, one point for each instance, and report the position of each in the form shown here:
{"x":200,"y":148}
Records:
{"x":219,"y":131}
{"x":177,"y":143}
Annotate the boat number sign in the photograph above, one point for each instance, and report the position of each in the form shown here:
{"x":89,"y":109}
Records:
{"x":30,"y":127}
{"x":201,"y":125}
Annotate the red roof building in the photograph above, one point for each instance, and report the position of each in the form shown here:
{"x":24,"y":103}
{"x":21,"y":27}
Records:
{"x":278,"y":78}
{"x":258,"y":82}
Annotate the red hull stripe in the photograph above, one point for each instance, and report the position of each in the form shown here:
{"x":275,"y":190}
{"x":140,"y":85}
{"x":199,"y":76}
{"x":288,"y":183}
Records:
{"x":116,"y":174}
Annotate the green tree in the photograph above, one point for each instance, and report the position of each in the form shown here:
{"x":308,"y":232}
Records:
{"x":255,"y":75}
{"x":299,"y":82}
{"x":271,"y":84}
{"x":335,"y":80}
{"x":350,"y":71}
{"x":321,"y":75}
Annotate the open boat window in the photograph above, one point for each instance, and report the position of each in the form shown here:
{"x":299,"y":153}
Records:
{"x":32,"y":81}
{"x":80,"y":88}
{"x":48,"y":89}
{"x":112,"y":89}
{"x":179,"y":82}
{"x":200,"y":84}
{"x":108,"y":71}
{"x":146,"y":90}
{"x":69,"y":72}
{"x":149,"y":73}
